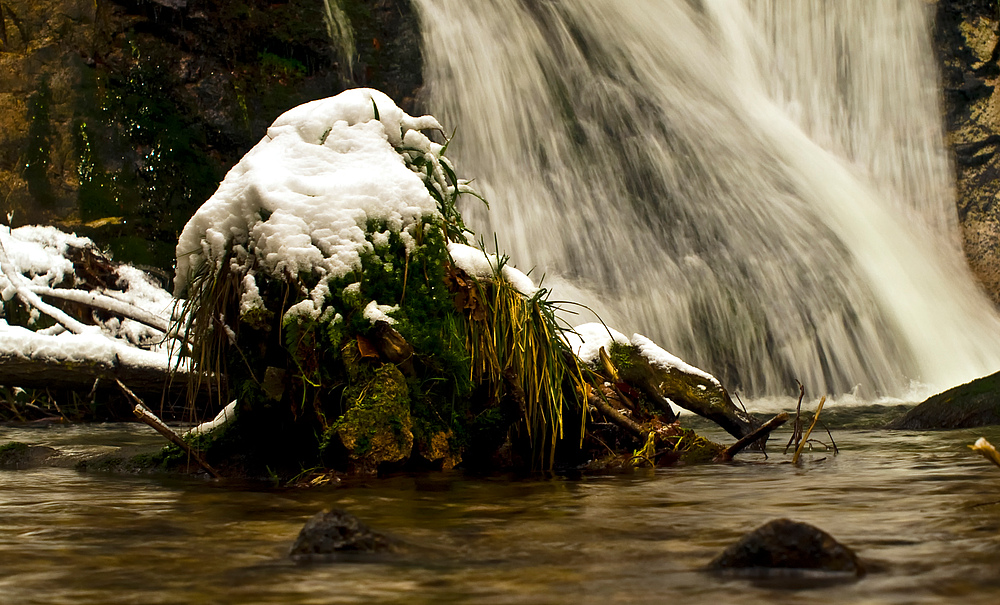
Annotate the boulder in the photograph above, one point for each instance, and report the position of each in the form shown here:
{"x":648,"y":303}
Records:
{"x":326,"y":534}
{"x":965,"y":42}
{"x":973,"y":404}
{"x":788,"y":546}
{"x":377,"y":430}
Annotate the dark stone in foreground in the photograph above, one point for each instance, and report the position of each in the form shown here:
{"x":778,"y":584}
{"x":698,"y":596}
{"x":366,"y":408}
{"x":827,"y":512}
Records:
{"x":974,"y":404}
{"x":784,"y":544}
{"x":327,"y":534}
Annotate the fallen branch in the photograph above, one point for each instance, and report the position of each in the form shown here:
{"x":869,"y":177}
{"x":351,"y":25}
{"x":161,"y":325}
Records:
{"x":805,"y":438}
{"x":144,"y":414}
{"x":102,"y":302}
{"x":761,"y":432}
{"x":31,"y":299}
{"x":615,"y":416}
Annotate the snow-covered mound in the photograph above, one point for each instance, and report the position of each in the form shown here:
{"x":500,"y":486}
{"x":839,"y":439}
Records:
{"x":300,"y":201}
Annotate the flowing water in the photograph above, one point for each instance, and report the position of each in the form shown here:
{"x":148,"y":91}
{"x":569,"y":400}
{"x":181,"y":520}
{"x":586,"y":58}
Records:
{"x":921,"y":510}
{"x":761,"y":186}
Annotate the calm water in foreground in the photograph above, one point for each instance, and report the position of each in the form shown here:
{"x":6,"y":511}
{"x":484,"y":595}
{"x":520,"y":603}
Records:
{"x":920,"y":508}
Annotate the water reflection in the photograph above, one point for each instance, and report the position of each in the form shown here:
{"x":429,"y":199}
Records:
{"x":921,"y":509}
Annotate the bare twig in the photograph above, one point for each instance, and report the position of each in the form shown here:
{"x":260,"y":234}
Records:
{"x":805,"y":438}
{"x":832,"y":442}
{"x":742,"y":405}
{"x":144,"y":414}
{"x":797,"y":427}
{"x":760,"y":432}
{"x":615,"y":416}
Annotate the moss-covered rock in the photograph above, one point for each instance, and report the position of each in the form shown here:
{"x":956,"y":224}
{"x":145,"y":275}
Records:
{"x":17,"y":455}
{"x":973,"y":404}
{"x":376,"y":431}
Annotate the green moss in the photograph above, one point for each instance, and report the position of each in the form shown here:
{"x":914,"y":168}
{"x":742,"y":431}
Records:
{"x":282,"y":67}
{"x":621,"y":355}
{"x":12,"y":449}
{"x":695,"y":449}
{"x":376,"y":429}
{"x":140,"y":156}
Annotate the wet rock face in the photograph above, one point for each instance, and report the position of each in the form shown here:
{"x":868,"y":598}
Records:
{"x":973,"y":404}
{"x":336,"y":532}
{"x":135,"y":109}
{"x":789,"y":545}
{"x":965,"y":39}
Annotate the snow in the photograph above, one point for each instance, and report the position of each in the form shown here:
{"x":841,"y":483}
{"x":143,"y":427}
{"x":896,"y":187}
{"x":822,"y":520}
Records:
{"x":16,"y":341}
{"x":301,"y":199}
{"x":39,"y":253}
{"x":375,"y":312}
{"x":586,"y":341}
{"x":664,"y":360}
{"x":480,"y":264}
{"x":224,"y":417}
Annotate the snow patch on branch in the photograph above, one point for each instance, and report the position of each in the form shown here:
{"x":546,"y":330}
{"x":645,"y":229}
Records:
{"x":69,"y":348}
{"x":657,"y":357}
{"x":587,"y":340}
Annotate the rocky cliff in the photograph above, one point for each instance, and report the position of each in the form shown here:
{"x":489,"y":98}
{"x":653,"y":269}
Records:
{"x":121,"y":116}
{"x":965,"y":37}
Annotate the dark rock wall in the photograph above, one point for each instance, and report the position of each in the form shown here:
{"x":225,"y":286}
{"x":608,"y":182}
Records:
{"x":965,"y":37}
{"x":119,"y":117}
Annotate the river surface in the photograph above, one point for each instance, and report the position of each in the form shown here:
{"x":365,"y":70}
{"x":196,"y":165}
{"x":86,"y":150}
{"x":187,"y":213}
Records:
{"x":921,"y":510}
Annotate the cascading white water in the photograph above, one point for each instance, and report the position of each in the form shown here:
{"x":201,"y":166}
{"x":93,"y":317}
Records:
{"x":760,"y":186}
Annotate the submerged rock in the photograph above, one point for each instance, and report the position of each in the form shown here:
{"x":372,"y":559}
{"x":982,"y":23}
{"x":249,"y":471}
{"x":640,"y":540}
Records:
{"x":973,"y":404}
{"x":329,"y":533}
{"x":788,"y":545}
{"x":16,"y":455}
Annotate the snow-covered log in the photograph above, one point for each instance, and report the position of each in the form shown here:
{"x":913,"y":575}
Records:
{"x":111,"y":320}
{"x":68,"y":361}
{"x":661,"y":376}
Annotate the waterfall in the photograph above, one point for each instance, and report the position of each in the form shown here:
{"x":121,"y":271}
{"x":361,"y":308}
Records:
{"x":760,"y":186}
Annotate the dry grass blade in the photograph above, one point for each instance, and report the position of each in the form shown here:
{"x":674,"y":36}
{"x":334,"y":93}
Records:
{"x":520,"y":337}
{"x":987,"y":450}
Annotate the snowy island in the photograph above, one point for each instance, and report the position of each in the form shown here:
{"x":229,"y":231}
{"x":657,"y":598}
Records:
{"x":331,"y":290}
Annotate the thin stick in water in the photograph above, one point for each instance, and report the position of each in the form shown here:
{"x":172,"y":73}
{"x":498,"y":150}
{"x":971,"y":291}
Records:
{"x":805,"y":438}
{"x":761,"y":431}
{"x":144,"y":414}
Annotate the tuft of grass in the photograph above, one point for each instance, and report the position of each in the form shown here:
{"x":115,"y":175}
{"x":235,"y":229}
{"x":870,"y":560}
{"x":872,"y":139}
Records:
{"x":203,"y":321}
{"x":517,"y":348}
